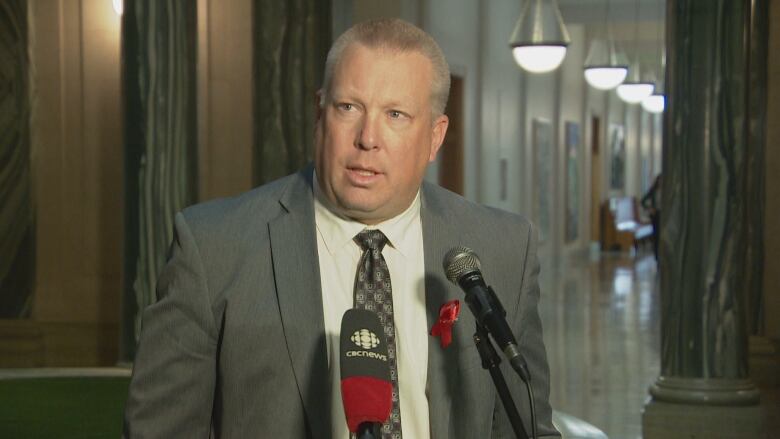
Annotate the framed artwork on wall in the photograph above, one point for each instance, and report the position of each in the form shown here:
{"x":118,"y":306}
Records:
{"x":542,"y":170}
{"x":617,"y":157}
{"x":572,"y":184}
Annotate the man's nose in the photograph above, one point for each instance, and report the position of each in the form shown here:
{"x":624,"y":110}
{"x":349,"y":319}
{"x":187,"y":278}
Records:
{"x":368,"y":132}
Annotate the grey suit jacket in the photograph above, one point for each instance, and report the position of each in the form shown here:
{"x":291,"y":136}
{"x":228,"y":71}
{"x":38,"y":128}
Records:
{"x":235,"y":346}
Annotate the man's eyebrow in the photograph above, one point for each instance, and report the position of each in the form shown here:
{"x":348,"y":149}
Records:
{"x":405,"y":103}
{"x":343,"y":96}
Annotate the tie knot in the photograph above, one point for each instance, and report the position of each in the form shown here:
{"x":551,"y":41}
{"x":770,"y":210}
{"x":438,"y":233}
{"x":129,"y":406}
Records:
{"x":371,"y":239}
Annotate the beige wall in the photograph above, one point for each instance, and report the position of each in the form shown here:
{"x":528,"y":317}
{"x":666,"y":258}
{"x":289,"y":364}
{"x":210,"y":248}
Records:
{"x":772,"y":184}
{"x":225,"y":124}
{"x":571,"y":108}
{"x":78,"y":165}
{"x":77,"y":162}
{"x":77,"y":157}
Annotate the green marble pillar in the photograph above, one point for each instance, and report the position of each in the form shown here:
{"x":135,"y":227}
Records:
{"x":291,"y":41}
{"x":710,"y":230}
{"x":158,"y":44}
{"x":711,"y":220}
{"x":17,"y":219}
{"x":755,"y":194}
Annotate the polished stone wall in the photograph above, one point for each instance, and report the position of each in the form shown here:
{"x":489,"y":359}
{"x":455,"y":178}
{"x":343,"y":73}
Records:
{"x":17,"y":217}
{"x":757,"y":31}
{"x":291,"y":41}
{"x":177,"y":89}
{"x":160,"y":143}
{"x":225,"y":98}
{"x":712,"y":211}
{"x":76,"y":138}
{"x":771,"y":272}
{"x":712,"y":221}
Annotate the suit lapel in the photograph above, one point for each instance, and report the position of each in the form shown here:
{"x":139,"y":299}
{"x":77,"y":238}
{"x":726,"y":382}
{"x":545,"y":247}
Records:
{"x":451,"y":371}
{"x":298,"y":288}
{"x":297,"y":275}
{"x":438,"y":237}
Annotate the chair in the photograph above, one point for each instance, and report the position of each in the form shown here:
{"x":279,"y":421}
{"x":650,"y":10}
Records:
{"x":622,"y":226}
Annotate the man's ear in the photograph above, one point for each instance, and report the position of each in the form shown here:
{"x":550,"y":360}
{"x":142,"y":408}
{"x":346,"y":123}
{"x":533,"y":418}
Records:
{"x":439,"y":131}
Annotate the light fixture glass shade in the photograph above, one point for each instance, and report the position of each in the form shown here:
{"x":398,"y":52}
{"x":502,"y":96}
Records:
{"x":539,"y":38}
{"x":118,"y":6}
{"x":539,"y":59}
{"x":635,"y":88}
{"x":605,"y":78}
{"x":634,"y":92}
{"x":605,"y":67}
{"x":654,"y":103}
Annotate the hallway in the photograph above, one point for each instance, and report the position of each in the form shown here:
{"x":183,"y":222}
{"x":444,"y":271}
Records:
{"x":601,"y":321}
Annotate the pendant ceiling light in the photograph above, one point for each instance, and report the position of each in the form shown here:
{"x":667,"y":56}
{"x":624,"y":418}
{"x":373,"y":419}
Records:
{"x":656,"y":103}
{"x":540,"y":38}
{"x":633,"y":90}
{"x":605,"y":67}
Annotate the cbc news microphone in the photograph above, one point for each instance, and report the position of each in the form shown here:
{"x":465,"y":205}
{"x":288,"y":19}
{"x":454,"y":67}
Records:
{"x":366,"y":389}
{"x":462,"y":267}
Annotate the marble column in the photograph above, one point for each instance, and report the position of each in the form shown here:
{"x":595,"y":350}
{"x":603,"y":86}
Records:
{"x":711,"y":223}
{"x":291,"y":41}
{"x":765,"y":338}
{"x":158,"y":45}
{"x":17,"y":215}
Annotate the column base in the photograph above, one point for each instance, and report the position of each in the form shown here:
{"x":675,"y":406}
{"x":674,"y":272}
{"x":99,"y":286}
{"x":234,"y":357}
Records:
{"x":701,"y":391}
{"x":703,"y":408}
{"x":764,"y":363}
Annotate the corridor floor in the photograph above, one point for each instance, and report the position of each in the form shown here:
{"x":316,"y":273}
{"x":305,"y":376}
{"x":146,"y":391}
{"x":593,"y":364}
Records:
{"x":601,"y":321}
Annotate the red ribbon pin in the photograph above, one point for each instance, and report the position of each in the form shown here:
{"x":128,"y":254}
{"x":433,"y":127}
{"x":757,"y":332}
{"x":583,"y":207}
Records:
{"x":448,"y":315}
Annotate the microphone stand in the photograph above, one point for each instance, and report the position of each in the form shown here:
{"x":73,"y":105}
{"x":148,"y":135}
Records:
{"x":491,"y":361}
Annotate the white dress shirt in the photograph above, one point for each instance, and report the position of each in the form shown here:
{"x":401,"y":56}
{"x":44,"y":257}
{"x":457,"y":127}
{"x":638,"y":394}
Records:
{"x":339,"y":255}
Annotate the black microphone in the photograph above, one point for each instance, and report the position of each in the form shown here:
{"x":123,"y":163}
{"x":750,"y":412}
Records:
{"x":462,"y":268}
{"x":366,"y":389}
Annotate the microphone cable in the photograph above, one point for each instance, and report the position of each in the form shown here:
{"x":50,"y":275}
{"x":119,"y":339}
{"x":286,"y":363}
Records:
{"x":463,"y":268}
{"x":533,"y":409}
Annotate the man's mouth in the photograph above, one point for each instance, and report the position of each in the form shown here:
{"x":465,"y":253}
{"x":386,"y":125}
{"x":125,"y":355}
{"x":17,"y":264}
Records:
{"x":363,"y":176}
{"x":365,"y":172}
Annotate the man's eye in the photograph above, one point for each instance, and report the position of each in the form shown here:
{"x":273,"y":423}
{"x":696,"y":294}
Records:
{"x":395,"y":114}
{"x":346,"y":107}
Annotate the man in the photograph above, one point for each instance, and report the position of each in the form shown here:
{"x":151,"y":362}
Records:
{"x":244,"y":339}
{"x":651,"y":201}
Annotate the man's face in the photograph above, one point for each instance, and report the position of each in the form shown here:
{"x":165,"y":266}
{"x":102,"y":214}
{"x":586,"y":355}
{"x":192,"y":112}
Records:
{"x":375,"y":134}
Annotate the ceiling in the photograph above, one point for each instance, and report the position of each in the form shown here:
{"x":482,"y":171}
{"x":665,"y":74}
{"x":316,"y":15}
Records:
{"x":637,"y":25}
{"x":592,"y":11}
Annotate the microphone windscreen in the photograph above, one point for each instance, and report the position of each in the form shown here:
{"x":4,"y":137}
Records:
{"x":459,"y":261}
{"x":366,"y":390}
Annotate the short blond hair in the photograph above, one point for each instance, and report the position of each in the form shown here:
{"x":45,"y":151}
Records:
{"x":393,"y":34}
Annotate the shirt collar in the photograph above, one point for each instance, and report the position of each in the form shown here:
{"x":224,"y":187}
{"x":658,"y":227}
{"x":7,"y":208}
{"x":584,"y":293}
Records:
{"x":338,"y":231}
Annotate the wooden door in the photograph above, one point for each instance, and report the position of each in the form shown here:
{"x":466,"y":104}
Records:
{"x":451,"y":154}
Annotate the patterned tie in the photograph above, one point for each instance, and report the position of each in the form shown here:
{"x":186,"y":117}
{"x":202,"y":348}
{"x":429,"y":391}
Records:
{"x":374,"y":293}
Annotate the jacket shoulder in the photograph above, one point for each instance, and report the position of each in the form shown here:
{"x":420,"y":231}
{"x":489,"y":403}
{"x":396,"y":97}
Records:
{"x":467,"y":211}
{"x":260,"y":205}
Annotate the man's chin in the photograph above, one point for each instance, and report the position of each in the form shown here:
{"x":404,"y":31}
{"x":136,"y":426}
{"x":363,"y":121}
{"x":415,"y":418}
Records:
{"x":368,"y":211}
{"x":364,"y":214}
{"x":363,"y":211}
